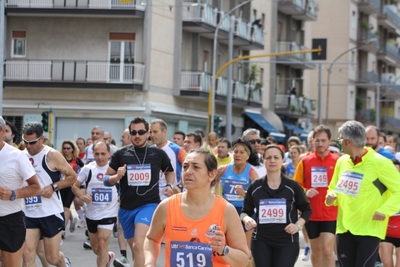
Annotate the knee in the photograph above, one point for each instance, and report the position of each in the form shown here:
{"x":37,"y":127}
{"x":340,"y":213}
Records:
{"x":53,"y":259}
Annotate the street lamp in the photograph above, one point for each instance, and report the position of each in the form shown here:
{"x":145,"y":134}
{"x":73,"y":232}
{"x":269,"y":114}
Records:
{"x":330,"y":71}
{"x":211,"y":98}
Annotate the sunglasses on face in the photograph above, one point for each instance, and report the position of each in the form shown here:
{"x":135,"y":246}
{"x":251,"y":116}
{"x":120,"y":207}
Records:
{"x":32,"y":142}
{"x":253,"y":141}
{"x":67,"y":148}
{"x":140,"y":132}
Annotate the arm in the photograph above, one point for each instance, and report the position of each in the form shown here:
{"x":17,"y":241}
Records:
{"x":390,"y":177}
{"x":331,"y":196}
{"x":113,"y":176}
{"x":170,"y":178}
{"x":155,"y":234}
{"x":87,"y":198}
{"x":56,"y":161}
{"x":248,"y":209}
{"x":240,"y":190}
{"x":32,"y":189}
{"x":239,"y":254}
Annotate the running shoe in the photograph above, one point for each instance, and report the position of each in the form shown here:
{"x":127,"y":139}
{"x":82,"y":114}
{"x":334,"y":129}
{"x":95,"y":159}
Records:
{"x":67,"y":262}
{"x":122,"y":262}
{"x":81,"y":224}
{"x":306,"y":254}
{"x":115,"y":230}
{"x":72,"y":224}
{"x":111,"y":257}
{"x":87,"y":244}
{"x":378,"y":264}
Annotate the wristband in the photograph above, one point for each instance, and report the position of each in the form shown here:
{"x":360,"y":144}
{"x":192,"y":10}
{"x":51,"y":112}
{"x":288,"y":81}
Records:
{"x":106,"y":182}
{"x":298,"y":226}
{"x":55,"y":187}
{"x":170,"y":185}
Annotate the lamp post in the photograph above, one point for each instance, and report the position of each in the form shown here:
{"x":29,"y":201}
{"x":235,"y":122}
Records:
{"x":211,"y":98}
{"x":330,"y":71}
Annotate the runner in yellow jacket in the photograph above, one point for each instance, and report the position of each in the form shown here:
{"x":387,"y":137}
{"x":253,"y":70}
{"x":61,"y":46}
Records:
{"x":366,"y":188}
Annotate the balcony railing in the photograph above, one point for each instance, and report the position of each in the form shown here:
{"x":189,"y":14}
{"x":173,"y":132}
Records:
{"x":295,"y":104}
{"x":368,"y":36}
{"x":391,"y":12}
{"x":73,"y":71}
{"x":99,"y":4}
{"x":366,"y":115}
{"x":292,"y":46}
{"x":368,"y":77}
{"x":309,"y":6}
{"x":197,"y":81}
{"x":201,"y":81}
{"x":200,"y":13}
{"x":375,"y":3}
{"x":392,"y":121}
{"x":392,"y":50}
{"x":247,"y":31}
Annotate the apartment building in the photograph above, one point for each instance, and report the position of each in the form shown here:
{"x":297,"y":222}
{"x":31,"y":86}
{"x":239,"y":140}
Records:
{"x":364,"y":80}
{"x":103,"y":62}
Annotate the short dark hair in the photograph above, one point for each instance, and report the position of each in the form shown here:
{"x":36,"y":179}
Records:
{"x":383,"y":135}
{"x":196,"y":137}
{"x":14,"y":130}
{"x":33,"y":127}
{"x":200,"y":132}
{"x":225,"y":140}
{"x":180,"y":133}
{"x":138,"y":120}
{"x":322,"y":128}
{"x":162,"y":123}
{"x":209,"y":160}
{"x":81,"y":138}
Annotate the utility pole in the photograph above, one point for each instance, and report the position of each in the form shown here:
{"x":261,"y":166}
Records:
{"x":228,"y":127}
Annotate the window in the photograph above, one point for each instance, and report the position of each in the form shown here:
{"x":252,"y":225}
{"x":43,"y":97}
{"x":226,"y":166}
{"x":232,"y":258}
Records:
{"x":18,"y":45}
{"x":122,"y":57}
{"x":205,"y":60}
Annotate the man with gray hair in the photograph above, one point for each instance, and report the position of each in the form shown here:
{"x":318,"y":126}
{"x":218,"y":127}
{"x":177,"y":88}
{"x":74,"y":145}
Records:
{"x":15,"y":170}
{"x":44,"y":212}
{"x":366,"y":188}
{"x":253,"y":136}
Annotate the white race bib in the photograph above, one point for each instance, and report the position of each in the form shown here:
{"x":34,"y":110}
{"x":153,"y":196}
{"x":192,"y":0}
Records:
{"x":319,"y":176}
{"x":272,"y":210}
{"x":139,"y":175}
{"x":349,"y":184}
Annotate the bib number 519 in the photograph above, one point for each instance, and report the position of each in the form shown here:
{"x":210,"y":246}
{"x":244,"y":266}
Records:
{"x":190,"y":260}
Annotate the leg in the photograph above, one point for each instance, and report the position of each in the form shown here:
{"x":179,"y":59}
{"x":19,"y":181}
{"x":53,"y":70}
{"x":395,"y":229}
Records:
{"x":12,"y":259}
{"x":328,"y":248}
{"x":346,"y":248}
{"x":41,"y":254}
{"x":306,"y":254}
{"x":285,"y":254}
{"x":52,"y":250}
{"x":397,"y":257}
{"x":31,"y":242}
{"x":386,"y":253}
{"x":367,"y":251}
{"x":99,"y":243}
{"x":137,"y":244}
{"x":262,"y":253}
{"x":67,"y":214}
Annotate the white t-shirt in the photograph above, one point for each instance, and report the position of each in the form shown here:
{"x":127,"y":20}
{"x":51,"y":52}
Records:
{"x":15,"y":169}
{"x":104,"y":202}
{"x":163,"y":182}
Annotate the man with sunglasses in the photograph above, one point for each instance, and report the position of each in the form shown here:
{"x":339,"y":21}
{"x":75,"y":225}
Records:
{"x":253,"y":136}
{"x":44,"y":212}
{"x":15,"y":170}
{"x":137,"y":167}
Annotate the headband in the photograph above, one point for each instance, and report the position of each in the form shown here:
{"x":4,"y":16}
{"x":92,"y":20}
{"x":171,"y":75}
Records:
{"x":334,"y":149}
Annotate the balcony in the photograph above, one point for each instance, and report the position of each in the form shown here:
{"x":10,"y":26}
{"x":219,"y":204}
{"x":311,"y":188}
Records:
{"x":369,"y":6}
{"x":305,"y":10}
{"x":390,"y":19}
{"x":203,"y":19}
{"x":389,"y":54}
{"x":196,"y":85}
{"x":367,"y":78}
{"x":298,"y":61}
{"x":366,"y":115}
{"x":105,"y":8}
{"x":295,"y":107}
{"x":73,"y":74}
{"x":368,"y":41}
{"x":390,"y":123}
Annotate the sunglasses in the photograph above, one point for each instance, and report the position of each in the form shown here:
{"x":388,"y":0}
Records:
{"x":32,"y":142}
{"x":140,"y":132}
{"x":253,"y":141}
{"x":67,"y":148}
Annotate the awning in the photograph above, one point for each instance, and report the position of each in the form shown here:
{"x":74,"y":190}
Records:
{"x":303,"y":133}
{"x":263,"y":123}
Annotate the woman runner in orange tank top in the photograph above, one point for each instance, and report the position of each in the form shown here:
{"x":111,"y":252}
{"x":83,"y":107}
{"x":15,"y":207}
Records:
{"x":199,"y":228}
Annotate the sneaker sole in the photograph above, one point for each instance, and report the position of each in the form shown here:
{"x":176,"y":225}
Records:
{"x":117,"y":263}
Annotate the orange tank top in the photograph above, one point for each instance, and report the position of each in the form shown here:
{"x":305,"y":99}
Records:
{"x":182,"y":235}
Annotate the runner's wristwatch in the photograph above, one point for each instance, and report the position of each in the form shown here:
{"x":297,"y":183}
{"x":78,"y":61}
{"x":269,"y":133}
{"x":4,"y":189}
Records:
{"x":225,"y":251}
{"x":13,"y":195}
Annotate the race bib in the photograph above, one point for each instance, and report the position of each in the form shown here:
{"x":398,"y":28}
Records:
{"x":34,"y":202}
{"x":228,"y":189}
{"x":139,"y":175}
{"x":190,"y":254}
{"x":349,"y":184}
{"x":272,"y":210}
{"x":101,"y":195}
{"x":319,"y":176}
